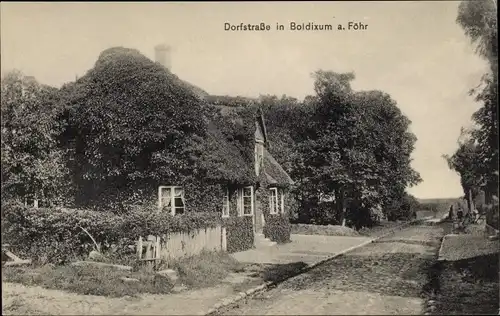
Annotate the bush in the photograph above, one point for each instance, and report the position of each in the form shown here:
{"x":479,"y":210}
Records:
{"x":492,"y":215}
{"x":278,"y":228}
{"x":240,"y":235}
{"x":55,"y":235}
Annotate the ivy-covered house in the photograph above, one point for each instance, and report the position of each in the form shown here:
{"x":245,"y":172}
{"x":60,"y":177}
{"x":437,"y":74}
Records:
{"x":141,"y":136}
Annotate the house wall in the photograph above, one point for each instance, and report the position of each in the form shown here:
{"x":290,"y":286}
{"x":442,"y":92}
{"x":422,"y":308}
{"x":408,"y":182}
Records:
{"x":210,"y":198}
{"x":239,"y":229}
{"x":277,"y":226}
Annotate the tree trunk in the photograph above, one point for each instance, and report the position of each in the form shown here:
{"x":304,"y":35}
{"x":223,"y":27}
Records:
{"x":471,"y":202}
{"x":339,"y":198}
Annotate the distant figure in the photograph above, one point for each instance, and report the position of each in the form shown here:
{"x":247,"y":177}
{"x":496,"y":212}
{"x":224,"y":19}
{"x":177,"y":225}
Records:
{"x":450,"y":213}
{"x":460,"y":213}
{"x":475,"y":214}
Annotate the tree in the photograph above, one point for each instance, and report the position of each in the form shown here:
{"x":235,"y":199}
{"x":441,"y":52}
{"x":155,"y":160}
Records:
{"x":479,"y":21}
{"x":32,"y":164}
{"x":355,"y":149}
{"x":468,"y":163}
{"x":390,"y":141}
{"x":283,"y":118}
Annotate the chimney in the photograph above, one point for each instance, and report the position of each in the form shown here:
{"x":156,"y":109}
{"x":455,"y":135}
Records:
{"x":162,"y":55}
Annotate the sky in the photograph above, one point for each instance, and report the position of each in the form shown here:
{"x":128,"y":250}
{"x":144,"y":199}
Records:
{"x":414,"y":51}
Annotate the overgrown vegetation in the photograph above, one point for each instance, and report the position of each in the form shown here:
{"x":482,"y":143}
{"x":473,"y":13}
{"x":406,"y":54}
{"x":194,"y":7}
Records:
{"x":240,"y":234}
{"x":203,"y":270}
{"x":206,"y":269}
{"x":476,"y":159}
{"x":32,"y":163}
{"x":108,"y":140}
{"x":89,"y":280}
{"x":469,"y":287}
{"x":349,"y":152}
{"x":56,"y":235}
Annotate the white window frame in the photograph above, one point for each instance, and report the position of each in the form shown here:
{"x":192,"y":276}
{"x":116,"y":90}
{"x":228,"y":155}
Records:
{"x":33,"y":199}
{"x":225,"y":205}
{"x":273,"y":201}
{"x":241,"y":197}
{"x":172,"y":197}
{"x":277,"y":204}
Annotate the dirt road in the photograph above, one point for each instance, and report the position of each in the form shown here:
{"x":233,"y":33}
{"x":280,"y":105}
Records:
{"x":386,"y":277}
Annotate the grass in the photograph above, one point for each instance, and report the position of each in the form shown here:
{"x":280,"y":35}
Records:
{"x":326,"y":230}
{"x":203,"y":270}
{"x":469,"y":287}
{"x":89,"y":280}
{"x":379,"y":229}
{"x":206,"y":269}
{"x":337,"y":230}
{"x":17,"y":306}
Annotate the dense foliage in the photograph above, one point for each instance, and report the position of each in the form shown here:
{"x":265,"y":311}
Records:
{"x":476,"y":159}
{"x":348,"y":151}
{"x":130,"y":125}
{"x":32,"y":163}
{"x":56,"y":234}
{"x":133,"y":126}
{"x":240,"y":235}
{"x":129,"y":122}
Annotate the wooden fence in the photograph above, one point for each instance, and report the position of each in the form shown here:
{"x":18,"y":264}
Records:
{"x":177,"y":245}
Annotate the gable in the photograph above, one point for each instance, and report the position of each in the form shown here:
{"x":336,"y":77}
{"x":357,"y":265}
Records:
{"x":261,"y":126}
{"x":259,"y":134}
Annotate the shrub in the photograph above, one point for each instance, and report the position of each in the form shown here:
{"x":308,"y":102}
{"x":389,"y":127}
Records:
{"x":278,"y":228}
{"x":239,"y":233}
{"x":55,"y":234}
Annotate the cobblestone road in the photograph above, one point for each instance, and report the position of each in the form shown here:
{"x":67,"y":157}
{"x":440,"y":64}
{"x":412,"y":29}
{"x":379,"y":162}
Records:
{"x":386,"y":277}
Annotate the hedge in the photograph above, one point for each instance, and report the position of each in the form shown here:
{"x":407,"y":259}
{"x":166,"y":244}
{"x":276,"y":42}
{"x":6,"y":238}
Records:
{"x":278,"y":228}
{"x":55,"y":235}
{"x":239,"y":233}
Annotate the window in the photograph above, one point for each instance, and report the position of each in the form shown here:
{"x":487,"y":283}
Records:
{"x":245,"y":201}
{"x":273,"y":201}
{"x":225,"y":204}
{"x":276,"y":201}
{"x":34,"y":202}
{"x":171,"y":199}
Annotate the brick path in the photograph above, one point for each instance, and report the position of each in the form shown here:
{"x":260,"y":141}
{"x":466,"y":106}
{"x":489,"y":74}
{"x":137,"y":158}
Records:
{"x":386,"y":277}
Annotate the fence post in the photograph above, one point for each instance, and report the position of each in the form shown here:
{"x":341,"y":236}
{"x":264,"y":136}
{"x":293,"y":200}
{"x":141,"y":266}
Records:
{"x":139,"y":248}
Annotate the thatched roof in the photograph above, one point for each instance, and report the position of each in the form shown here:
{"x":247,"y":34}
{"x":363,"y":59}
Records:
{"x":227,"y":152}
{"x":226,"y":161}
{"x":274,"y":172}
